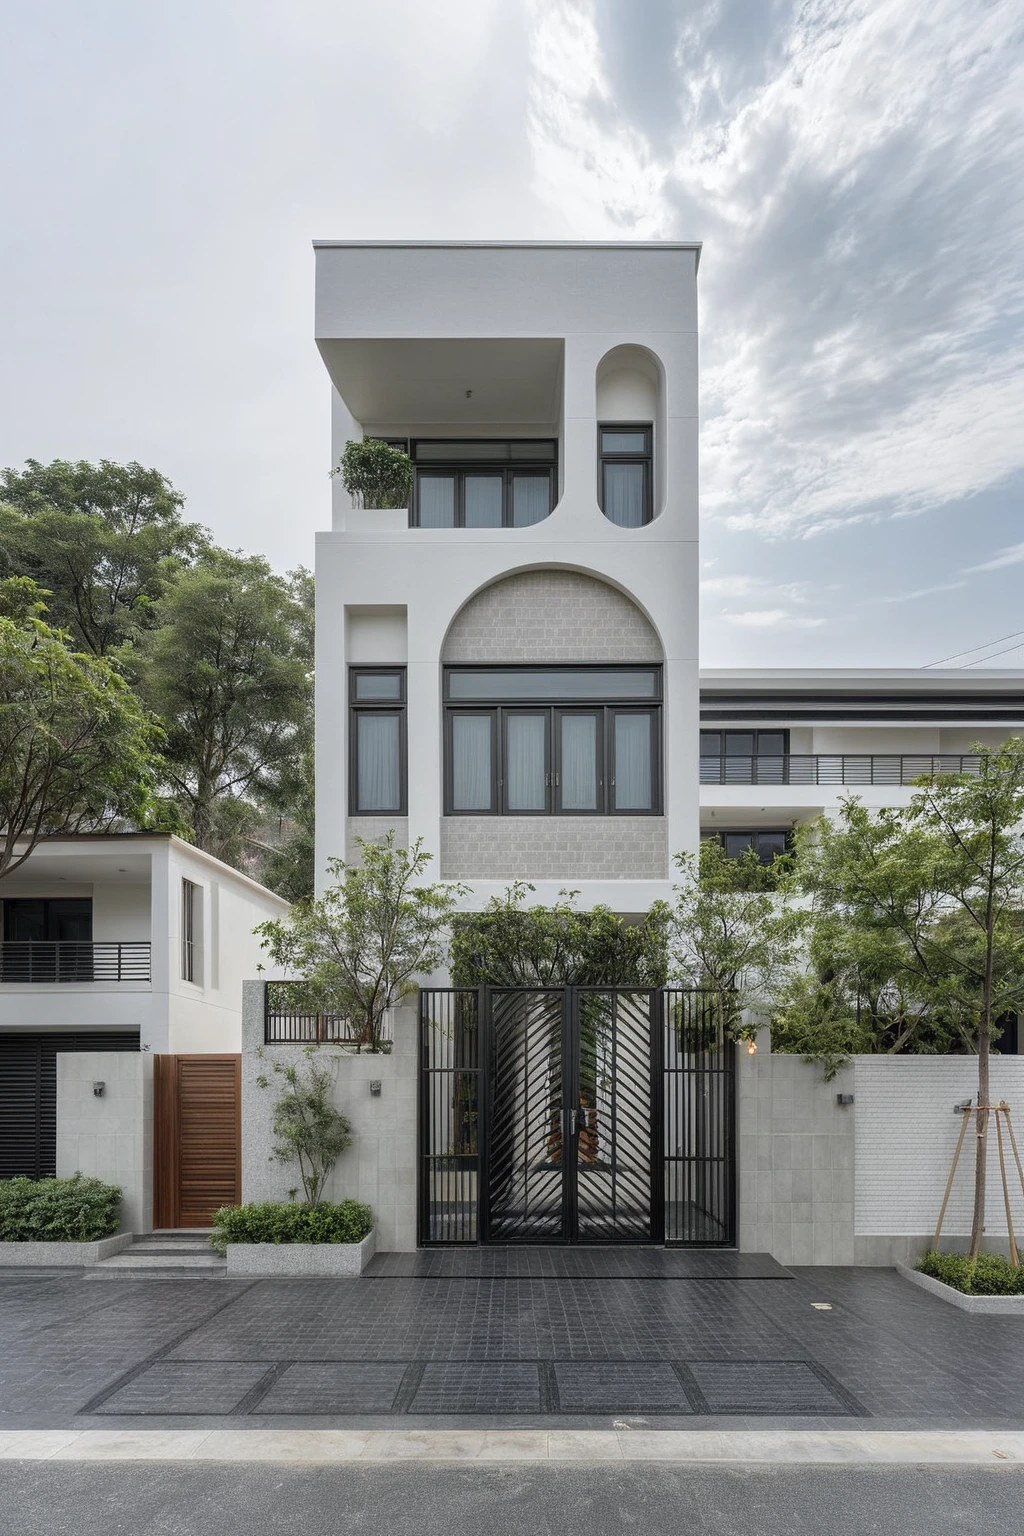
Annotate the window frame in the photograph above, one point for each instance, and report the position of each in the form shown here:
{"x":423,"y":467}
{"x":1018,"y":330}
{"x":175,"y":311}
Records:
{"x":457,"y":469}
{"x":554,"y":709}
{"x":644,"y":458}
{"x":722,"y":756}
{"x":356,"y":709}
{"x":753,"y":836}
{"x":190,"y":908}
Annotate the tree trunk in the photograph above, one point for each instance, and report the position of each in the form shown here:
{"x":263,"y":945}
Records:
{"x":984,"y":1035}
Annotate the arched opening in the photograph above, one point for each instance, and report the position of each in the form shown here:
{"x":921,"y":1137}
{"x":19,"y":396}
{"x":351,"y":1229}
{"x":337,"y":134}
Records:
{"x":630,"y":436}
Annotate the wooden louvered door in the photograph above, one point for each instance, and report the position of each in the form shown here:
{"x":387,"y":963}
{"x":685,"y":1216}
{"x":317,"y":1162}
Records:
{"x":197,"y":1138}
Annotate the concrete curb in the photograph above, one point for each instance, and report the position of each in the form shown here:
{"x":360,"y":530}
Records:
{"x":1002,"y":1306}
{"x":43,"y":1255}
{"x":805,"y":1447}
{"x":319,"y":1261}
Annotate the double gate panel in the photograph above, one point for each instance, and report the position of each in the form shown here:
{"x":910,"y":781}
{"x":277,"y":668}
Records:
{"x":574,"y":1115}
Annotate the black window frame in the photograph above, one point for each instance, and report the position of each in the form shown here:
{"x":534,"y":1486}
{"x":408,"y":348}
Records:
{"x":723,"y":756}
{"x":356,"y":709}
{"x":506,"y":467}
{"x":753,"y":836}
{"x":190,"y":909}
{"x":646,"y":458}
{"x":604,"y":711}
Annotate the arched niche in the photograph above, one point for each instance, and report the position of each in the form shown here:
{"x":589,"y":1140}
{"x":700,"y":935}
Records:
{"x":550,"y":615}
{"x":629,"y":389}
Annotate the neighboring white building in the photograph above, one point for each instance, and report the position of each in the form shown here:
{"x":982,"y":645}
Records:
{"x":130,"y":932}
{"x":784,"y":746}
{"x":508,"y":668}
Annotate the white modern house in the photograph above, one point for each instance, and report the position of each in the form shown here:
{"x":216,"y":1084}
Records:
{"x":115,"y":943}
{"x":507,"y":667}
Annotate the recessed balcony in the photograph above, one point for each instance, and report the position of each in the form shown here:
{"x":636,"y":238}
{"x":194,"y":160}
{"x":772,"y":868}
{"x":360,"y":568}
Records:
{"x":26,"y":962}
{"x":830,"y":768}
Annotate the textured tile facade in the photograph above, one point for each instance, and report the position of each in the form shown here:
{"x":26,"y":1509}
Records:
{"x":554,"y":848}
{"x":795,"y":1149}
{"x":371,"y":829}
{"x":906,"y":1136}
{"x":551,"y":616}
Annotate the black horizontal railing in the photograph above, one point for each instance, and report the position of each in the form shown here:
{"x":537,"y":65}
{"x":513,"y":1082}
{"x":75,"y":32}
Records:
{"x":835,"y":768}
{"x":287,"y":1022}
{"x":38,"y":960}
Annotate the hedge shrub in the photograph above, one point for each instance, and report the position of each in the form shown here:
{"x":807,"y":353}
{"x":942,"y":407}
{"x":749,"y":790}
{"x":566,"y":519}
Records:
{"x":274,"y":1221}
{"x":987,"y":1275}
{"x":78,"y":1210}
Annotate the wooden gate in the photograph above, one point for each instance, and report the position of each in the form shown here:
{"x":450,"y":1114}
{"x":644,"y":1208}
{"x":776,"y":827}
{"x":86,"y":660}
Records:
{"x":197,"y":1138}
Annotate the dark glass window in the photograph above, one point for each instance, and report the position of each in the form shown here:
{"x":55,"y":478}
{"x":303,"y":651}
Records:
{"x":767,"y":845}
{"x":562,"y":759}
{"x":483,"y":484}
{"x":190,"y":907}
{"x":59,"y":931}
{"x":744,"y":757}
{"x":625,"y":474}
{"x":377,"y":750}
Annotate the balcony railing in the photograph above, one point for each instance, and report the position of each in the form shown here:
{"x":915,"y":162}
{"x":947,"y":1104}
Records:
{"x":287,"y":1023}
{"x":39,"y":960}
{"x":834,"y":768}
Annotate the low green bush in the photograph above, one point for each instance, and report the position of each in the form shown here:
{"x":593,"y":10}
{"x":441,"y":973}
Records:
{"x":78,"y":1210}
{"x":274,"y":1221}
{"x":987,"y":1275}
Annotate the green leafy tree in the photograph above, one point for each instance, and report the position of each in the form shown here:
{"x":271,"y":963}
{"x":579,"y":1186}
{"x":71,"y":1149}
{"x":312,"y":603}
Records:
{"x":729,"y":937}
{"x":227,"y":668}
{"x":375,"y":474}
{"x":103,"y":539}
{"x":77,"y":751}
{"x":359,"y":949}
{"x":308,"y":1128}
{"x":287,"y":863}
{"x":510,"y":944}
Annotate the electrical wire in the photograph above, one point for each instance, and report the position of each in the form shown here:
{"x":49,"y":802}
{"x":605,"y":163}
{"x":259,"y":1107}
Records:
{"x":972,"y":648}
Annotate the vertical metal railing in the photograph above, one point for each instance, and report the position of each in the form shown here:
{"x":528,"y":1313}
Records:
{"x":700,"y":1122}
{"x":450,"y":1115}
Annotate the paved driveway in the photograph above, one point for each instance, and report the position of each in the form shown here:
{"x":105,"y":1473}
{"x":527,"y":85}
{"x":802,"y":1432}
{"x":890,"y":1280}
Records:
{"x":539,"y":1337}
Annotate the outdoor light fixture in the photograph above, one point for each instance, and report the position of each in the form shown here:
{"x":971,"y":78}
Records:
{"x":375,"y":1087}
{"x":844,"y":1098}
{"x":98,"y":1088}
{"x":751,"y":1047}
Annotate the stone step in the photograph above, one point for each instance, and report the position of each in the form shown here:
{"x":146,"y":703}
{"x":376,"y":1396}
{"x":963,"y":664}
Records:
{"x":153,"y":1272}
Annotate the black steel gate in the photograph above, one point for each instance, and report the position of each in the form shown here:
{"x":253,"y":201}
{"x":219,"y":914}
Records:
{"x":574,"y":1115}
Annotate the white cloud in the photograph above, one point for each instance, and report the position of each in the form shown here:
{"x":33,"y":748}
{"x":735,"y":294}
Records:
{"x":771,"y":618}
{"x":857,"y":185}
{"x":1013,"y":554}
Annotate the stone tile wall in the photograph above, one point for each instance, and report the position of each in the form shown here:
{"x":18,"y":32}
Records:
{"x":551,"y":616}
{"x":110,"y":1137}
{"x":554,"y":847}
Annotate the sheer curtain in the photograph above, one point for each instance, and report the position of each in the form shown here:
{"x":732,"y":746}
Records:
{"x":484,"y":495}
{"x":531,"y":499}
{"x":435,"y":495}
{"x":377,"y":762}
{"x":524,"y":747}
{"x":579,"y":763}
{"x":471,"y":763}
{"x":624,"y":494}
{"x":632,"y":762}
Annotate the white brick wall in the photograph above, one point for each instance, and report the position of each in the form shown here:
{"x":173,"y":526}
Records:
{"x":551,"y":616}
{"x":906,"y":1133}
{"x":554,"y":848}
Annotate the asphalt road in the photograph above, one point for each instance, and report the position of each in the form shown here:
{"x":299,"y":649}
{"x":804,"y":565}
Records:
{"x":181,"y":1499}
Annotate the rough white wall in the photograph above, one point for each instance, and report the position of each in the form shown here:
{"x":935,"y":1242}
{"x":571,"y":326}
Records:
{"x":380,"y":1166}
{"x":906,"y":1136}
{"x":110,"y":1137}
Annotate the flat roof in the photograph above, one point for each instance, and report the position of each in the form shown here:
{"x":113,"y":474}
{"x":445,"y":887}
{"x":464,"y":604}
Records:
{"x":513,"y":245}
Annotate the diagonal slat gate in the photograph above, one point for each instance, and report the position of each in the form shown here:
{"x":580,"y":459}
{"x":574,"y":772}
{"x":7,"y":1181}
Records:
{"x":574,"y":1115}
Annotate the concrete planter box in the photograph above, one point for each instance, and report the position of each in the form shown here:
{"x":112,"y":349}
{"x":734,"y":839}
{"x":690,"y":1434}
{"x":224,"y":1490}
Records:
{"x":63,"y":1253}
{"x":313,"y":1261}
{"x":1004,"y":1306}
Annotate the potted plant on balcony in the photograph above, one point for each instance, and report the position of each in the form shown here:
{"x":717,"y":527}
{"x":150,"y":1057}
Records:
{"x":375,"y":475}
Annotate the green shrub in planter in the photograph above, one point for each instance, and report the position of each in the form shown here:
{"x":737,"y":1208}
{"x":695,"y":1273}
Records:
{"x":278,"y":1221}
{"x":78,"y":1210}
{"x":987,"y":1275}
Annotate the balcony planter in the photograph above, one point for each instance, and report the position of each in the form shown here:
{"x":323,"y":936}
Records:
{"x":1003,"y":1306}
{"x":52,"y":1254}
{"x":312,"y":1261}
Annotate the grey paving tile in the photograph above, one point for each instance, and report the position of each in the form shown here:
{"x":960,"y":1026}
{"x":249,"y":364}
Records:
{"x":478,"y":1386}
{"x":336,"y":1386}
{"x":619,"y":1386}
{"x":764,"y":1386}
{"x":172,"y":1387}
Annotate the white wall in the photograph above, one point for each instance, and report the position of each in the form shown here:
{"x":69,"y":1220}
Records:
{"x":592,"y":299}
{"x":110,"y":1137}
{"x":906,"y":1136}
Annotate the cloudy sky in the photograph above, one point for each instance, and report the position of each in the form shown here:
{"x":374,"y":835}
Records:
{"x":853,"y":168}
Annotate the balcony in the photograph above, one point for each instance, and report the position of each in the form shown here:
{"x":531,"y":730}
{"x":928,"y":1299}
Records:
{"x":834,"y":768}
{"x":28,"y":961}
{"x":287,"y":1022}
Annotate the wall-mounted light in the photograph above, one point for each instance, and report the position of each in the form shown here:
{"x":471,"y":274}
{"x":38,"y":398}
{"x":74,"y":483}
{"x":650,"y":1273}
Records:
{"x":375,"y":1087}
{"x":98,"y":1088}
{"x":844,"y":1098}
{"x":751,"y":1047}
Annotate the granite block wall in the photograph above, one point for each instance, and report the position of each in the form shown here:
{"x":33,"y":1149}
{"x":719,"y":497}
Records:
{"x":109,"y":1137}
